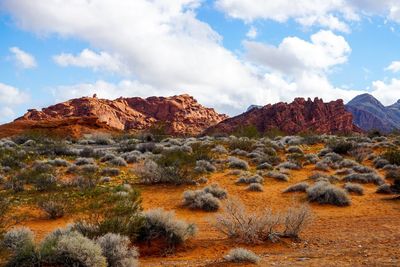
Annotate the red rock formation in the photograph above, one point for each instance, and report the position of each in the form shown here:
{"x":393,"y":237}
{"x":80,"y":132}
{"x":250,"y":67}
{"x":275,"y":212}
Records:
{"x":179,"y":114}
{"x":299,"y":116}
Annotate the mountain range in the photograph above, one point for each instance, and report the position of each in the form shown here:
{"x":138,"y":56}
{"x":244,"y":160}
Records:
{"x":183,"y":115}
{"x":370,"y":114}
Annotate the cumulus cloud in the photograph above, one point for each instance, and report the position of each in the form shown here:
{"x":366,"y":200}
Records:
{"x":90,"y":59}
{"x":162,"y":43}
{"x":386,"y":92}
{"x":331,"y":14}
{"x":23,"y":59}
{"x":167,"y":50}
{"x":324,"y":50}
{"x":299,"y":67}
{"x":10,"y":97}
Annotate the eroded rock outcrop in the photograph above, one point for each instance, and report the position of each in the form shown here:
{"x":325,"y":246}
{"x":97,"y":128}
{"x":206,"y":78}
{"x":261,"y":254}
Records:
{"x":179,"y":115}
{"x":299,"y":116}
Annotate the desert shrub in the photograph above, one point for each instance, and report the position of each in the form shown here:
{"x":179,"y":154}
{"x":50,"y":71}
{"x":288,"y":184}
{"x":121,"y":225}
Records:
{"x":219,"y":149}
{"x":200,"y":199}
{"x":340,"y":147}
{"x":88,"y":169}
{"x":255,"y":187}
{"x":311,"y":158}
{"x":239,"y":255}
{"x":295,"y":149}
{"x":84,"y":182}
{"x":162,"y":225}
{"x":118,"y":161}
{"x":325,"y":193}
{"x":249,"y":180}
{"x":363,"y":169}
{"x":70,"y":248}
{"x":258,"y":227}
{"x":107,"y":157}
{"x":4,"y":208}
{"x":53,"y":208}
{"x":264,"y":166}
{"x":216,"y":191}
{"x":364,"y":178}
{"x":393,"y":156}
{"x":203,"y":166}
{"x":321,"y":166}
{"x":384,"y":189}
{"x":87,"y":152}
{"x":237,"y":223}
{"x":117,"y":250}
{"x":278,"y":175}
{"x":84,"y":161}
{"x":45,"y":182}
{"x":15,"y":183}
{"x":379,"y":163}
{"x":346,"y":163}
{"x":344,"y":172}
{"x":393,"y":174}
{"x":354,"y":188}
{"x":110,"y":171}
{"x":149,"y":172}
{"x":244,"y":144}
{"x":59,"y":162}
{"x":295,"y":220}
{"x":360,"y":153}
{"x":299,"y":187}
{"x":289,"y":165}
{"x":333,"y":157}
{"x":202,"y":180}
{"x":237,"y":163}
{"x":18,"y":238}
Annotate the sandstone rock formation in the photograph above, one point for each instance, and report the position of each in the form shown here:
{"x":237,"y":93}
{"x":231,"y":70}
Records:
{"x":299,"y":116}
{"x":180,"y":115}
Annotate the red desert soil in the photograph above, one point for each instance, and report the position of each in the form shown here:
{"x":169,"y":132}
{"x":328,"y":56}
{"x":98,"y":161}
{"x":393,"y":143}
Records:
{"x":365,"y":234}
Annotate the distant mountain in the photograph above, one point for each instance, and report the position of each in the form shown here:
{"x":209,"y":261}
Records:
{"x":253,"y":107}
{"x":370,"y":114}
{"x":299,"y":116}
{"x":179,"y":115}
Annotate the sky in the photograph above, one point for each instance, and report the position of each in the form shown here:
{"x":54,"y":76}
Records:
{"x":228,"y":54}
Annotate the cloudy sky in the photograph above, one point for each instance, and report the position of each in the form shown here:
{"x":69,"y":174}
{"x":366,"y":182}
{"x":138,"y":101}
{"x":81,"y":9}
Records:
{"x":226,"y":53}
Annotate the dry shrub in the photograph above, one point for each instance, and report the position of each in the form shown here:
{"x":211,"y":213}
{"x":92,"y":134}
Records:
{"x":262,"y":226}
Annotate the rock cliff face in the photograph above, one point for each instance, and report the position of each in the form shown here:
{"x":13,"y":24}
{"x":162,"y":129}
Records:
{"x":299,"y":116}
{"x":178,"y":114}
{"x":370,"y":114}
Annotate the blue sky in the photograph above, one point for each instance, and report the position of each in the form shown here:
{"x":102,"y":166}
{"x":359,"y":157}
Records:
{"x":226,"y":53}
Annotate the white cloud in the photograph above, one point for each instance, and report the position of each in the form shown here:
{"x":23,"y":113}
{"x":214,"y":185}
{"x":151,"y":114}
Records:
{"x":90,"y":59}
{"x":23,"y":59}
{"x":324,"y":51}
{"x":252,"y":33}
{"x":162,"y":43}
{"x":387,"y":93}
{"x":11,"y":95}
{"x":331,"y":14}
{"x":166,"y":50}
{"x":299,"y":68}
{"x":394,"y":66}
{"x":10,"y":98}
